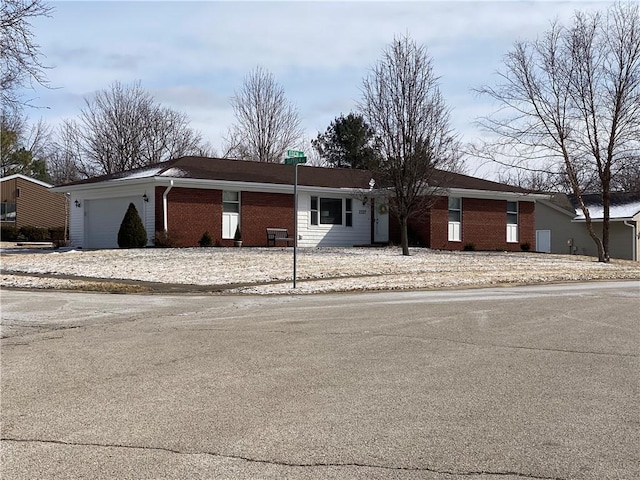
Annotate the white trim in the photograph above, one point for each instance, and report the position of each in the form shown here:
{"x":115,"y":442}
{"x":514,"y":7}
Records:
{"x":284,"y":188}
{"x":28,"y":179}
{"x":600,"y":220}
{"x":490,"y":194}
{"x":205,"y":184}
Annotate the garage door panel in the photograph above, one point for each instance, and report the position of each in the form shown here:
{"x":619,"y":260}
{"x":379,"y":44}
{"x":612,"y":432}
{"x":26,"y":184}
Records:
{"x":103,"y":219}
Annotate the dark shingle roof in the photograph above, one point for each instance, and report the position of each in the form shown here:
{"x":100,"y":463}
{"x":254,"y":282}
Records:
{"x":205,"y":168}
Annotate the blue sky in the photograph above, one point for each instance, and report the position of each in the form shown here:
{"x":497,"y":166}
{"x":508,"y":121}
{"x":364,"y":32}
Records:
{"x":192,"y":56}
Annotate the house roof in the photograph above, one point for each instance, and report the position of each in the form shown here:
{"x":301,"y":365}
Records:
{"x":624,"y":206}
{"x":28,"y":179}
{"x":205,"y":168}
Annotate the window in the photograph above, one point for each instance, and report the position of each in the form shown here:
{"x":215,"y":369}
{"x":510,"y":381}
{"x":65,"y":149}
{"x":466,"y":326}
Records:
{"x":230,"y":213}
{"x":328,"y":211}
{"x":455,"y":219}
{"x":314,"y":210}
{"x":331,"y":211}
{"x":231,"y":202}
{"x":8,"y":212}
{"x":512,"y":222}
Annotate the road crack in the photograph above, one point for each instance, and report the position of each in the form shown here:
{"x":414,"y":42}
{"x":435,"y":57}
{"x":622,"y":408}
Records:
{"x":282,"y":463}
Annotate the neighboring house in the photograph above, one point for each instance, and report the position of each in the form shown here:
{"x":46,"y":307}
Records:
{"x":336,"y":207}
{"x":30,"y":202}
{"x":561,"y":226}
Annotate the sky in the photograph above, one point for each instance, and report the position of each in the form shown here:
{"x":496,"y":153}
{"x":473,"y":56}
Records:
{"x":193,"y":56}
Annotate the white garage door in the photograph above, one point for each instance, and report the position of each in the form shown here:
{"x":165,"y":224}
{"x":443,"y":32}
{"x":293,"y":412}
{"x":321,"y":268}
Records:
{"x":103,"y":219}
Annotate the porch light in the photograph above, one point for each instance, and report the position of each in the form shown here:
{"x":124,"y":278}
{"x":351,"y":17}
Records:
{"x":145,"y":198}
{"x":77,"y":202}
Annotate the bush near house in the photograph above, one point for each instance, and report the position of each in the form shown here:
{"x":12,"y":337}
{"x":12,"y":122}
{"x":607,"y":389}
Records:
{"x":165,"y":240}
{"x":29,"y":233}
{"x":132,"y":233}
{"x":206,"y":240}
{"x":34,"y":234}
{"x":9,"y":233}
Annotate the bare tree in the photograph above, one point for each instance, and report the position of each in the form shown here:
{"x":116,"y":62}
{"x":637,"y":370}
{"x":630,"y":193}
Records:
{"x":267,"y":123}
{"x":123,"y":127}
{"x":20,"y":57}
{"x":573,"y":96}
{"x":403,"y":105}
{"x":66,"y":155}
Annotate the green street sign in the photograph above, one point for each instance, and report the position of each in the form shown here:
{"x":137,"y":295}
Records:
{"x":294,"y":153}
{"x":294,"y":160}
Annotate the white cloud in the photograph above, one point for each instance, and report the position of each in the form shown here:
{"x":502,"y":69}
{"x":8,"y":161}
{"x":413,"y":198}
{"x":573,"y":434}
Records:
{"x":193,"y":55}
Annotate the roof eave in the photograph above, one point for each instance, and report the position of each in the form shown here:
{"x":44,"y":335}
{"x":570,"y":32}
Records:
{"x":493,"y":194}
{"x":203,"y":183}
{"x":28,"y":179}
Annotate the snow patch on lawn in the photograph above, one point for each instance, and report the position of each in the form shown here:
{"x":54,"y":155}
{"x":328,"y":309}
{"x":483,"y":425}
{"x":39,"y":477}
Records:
{"x":270,"y":270}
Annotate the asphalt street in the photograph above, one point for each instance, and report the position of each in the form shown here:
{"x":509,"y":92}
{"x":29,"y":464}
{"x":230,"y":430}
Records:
{"x":538,"y":382}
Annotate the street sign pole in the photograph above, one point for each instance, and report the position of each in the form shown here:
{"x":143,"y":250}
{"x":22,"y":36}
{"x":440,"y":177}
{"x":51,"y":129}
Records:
{"x":295,"y":157}
{"x":295,"y":221}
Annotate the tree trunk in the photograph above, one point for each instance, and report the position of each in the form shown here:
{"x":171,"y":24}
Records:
{"x":404,"y":239}
{"x":606,"y":203}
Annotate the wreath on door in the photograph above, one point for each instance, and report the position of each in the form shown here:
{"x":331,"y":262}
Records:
{"x":383,"y":209}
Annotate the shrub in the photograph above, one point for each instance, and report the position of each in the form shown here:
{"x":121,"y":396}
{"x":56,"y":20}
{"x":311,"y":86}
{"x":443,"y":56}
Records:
{"x":57,"y":235}
{"x":469,"y":247}
{"x":9,"y":233}
{"x":34,"y":234}
{"x":132,"y":233}
{"x":206,"y":240}
{"x":165,"y":240}
{"x":525,"y":247}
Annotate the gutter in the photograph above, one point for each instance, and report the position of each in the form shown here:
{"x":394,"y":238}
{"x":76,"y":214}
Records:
{"x":634,"y":255}
{"x":165,"y":206}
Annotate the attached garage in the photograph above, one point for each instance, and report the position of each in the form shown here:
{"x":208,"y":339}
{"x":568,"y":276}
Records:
{"x":103,"y":219}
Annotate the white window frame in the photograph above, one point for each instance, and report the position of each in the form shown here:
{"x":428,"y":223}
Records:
{"x":230,"y":219}
{"x":512,"y":228}
{"x":455,"y":227}
{"x":348,"y":212}
{"x":315,"y":214}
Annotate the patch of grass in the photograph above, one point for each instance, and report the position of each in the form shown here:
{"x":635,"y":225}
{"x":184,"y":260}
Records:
{"x":108,"y":287}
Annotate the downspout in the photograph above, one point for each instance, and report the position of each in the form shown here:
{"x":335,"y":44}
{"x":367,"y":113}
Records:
{"x":635,"y":240}
{"x":165,"y":206}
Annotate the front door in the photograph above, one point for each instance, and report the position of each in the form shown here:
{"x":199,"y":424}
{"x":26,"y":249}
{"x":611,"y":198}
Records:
{"x":543,"y":241}
{"x":381,"y":222}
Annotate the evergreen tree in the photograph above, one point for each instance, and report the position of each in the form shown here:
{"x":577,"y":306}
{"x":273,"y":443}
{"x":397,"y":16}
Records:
{"x":348,"y":142}
{"x":132,"y":233}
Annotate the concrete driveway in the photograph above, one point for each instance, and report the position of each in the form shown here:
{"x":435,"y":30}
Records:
{"x":504,"y":383}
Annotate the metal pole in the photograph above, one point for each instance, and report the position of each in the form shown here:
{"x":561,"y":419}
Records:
{"x":295,"y":220}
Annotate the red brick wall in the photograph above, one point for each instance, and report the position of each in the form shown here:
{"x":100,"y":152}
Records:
{"x":527,"y":223}
{"x":262,"y":210}
{"x":417,"y":227}
{"x":191,"y":212}
{"x":484,"y":224}
{"x":194,"y":211}
{"x":440,"y":225}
